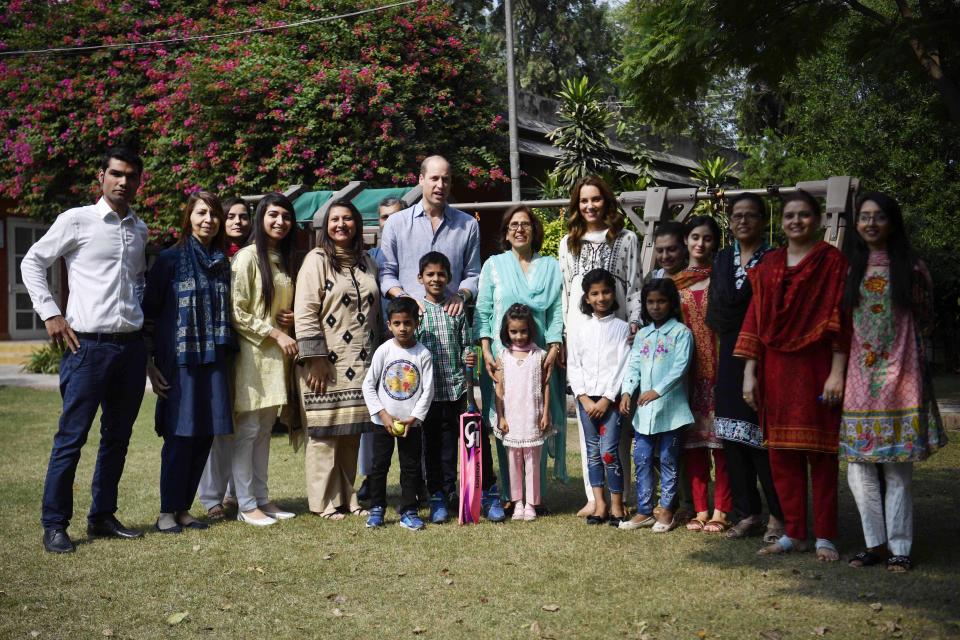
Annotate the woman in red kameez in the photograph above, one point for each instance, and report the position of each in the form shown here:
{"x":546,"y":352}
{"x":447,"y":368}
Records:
{"x":795,"y":347}
{"x":702,"y":236}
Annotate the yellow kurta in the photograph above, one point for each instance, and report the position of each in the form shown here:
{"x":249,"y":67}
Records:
{"x":261,"y":371}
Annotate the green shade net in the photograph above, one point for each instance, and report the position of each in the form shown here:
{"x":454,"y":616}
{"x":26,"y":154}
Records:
{"x":366,"y":201}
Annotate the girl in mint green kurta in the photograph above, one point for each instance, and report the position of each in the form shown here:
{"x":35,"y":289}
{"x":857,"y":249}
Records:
{"x":503,"y":283}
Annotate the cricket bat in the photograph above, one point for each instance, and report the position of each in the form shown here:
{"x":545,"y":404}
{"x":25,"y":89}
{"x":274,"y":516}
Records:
{"x":471,"y":471}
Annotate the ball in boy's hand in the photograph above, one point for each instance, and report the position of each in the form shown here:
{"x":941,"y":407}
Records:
{"x":398,"y":428}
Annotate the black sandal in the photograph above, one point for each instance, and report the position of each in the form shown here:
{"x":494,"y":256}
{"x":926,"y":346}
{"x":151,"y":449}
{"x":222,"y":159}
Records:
{"x":866,"y":559}
{"x":899,"y":564}
{"x":596,"y":519}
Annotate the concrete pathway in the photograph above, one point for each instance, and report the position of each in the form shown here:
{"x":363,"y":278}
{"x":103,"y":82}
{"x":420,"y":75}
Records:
{"x":13,"y":376}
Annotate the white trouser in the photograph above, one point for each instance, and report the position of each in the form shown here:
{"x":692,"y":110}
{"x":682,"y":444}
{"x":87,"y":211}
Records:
{"x":365,"y":457}
{"x":251,"y":456}
{"x":215,"y":483}
{"x":887,"y":517}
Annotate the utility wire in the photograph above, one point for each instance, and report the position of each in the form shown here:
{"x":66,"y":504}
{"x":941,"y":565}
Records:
{"x":212,"y":36}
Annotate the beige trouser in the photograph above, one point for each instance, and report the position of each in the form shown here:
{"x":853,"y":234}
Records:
{"x":331,"y":469}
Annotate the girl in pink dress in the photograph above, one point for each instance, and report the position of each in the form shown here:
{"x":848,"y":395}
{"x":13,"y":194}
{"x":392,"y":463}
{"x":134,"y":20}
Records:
{"x":522,"y":402}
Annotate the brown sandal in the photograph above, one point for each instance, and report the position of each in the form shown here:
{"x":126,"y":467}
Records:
{"x":716,"y":526}
{"x":217,"y":512}
{"x":696,"y":524}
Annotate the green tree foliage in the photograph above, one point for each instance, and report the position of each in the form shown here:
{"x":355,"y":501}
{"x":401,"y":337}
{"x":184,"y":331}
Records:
{"x":359,"y":98}
{"x":840,"y":119}
{"x":674,"y":51}
{"x":582,"y":134}
{"x":553,"y":40}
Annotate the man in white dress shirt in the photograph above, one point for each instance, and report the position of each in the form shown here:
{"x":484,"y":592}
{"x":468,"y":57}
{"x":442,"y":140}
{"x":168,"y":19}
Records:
{"x":105,"y":365}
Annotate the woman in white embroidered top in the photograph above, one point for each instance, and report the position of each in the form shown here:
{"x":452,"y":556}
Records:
{"x":597,"y":240}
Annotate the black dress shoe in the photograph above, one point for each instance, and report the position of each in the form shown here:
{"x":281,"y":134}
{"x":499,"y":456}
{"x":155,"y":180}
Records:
{"x":110,"y":527}
{"x":196,"y":524}
{"x":57,"y":541}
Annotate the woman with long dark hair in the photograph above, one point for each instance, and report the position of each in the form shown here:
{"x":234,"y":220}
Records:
{"x":262,"y":316}
{"x":700,"y":442}
{"x":890,"y":418}
{"x":597,"y":239}
{"x":187,"y":301}
{"x":338,"y":324}
{"x":737,"y":425}
{"x":795,"y":346}
{"x":216,"y":487}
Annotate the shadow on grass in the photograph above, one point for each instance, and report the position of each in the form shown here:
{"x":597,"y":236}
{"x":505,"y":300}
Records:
{"x":932,"y":587}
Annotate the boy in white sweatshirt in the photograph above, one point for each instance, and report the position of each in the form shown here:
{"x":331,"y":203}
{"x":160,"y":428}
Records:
{"x":398,"y":390}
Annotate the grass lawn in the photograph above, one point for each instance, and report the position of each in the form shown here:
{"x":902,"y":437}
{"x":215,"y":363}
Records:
{"x":555,"y":578}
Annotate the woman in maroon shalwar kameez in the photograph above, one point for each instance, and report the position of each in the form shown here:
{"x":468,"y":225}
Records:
{"x":796,"y":350}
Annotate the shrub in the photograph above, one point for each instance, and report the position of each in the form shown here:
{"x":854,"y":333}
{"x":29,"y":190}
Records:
{"x":46,"y":359}
{"x":359,"y":98}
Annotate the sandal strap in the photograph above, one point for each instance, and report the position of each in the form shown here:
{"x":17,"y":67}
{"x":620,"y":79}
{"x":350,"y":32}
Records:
{"x":786,"y":543}
{"x":823,"y":543}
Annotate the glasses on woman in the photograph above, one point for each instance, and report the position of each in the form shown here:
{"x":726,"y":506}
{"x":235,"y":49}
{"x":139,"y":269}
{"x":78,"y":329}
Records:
{"x":872,"y":218}
{"x":740,"y":217}
{"x":513,"y":226}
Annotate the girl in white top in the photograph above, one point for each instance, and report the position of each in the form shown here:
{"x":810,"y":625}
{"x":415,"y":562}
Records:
{"x":596,"y":361}
{"x":597,"y":240}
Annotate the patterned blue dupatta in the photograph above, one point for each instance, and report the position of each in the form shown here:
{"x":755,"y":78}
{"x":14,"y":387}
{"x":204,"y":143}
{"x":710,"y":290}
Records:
{"x":203,"y":303}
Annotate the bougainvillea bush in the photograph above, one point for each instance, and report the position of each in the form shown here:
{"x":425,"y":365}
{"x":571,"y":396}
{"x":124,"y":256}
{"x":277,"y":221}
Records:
{"x":364,"y":97}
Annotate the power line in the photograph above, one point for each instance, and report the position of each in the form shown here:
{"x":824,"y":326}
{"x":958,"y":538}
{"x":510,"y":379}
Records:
{"x":212,"y":36}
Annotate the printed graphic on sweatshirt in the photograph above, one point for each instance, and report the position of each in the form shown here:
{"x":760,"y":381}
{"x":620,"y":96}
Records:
{"x":401,"y":379}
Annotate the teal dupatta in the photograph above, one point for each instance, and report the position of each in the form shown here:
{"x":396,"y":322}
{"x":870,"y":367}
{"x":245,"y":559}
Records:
{"x":503,"y":283}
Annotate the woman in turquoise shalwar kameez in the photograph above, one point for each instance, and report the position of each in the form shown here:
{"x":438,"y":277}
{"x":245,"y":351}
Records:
{"x":521,"y":274}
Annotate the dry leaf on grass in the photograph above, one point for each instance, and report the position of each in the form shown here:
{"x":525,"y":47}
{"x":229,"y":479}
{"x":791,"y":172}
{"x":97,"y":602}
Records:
{"x":418,"y":630}
{"x":108,"y":633}
{"x":876,"y":606}
{"x":820,"y":631}
{"x":327,"y":556}
{"x":337,"y":613}
{"x":448,"y":581}
{"x":177,"y":618}
{"x":552,"y":608}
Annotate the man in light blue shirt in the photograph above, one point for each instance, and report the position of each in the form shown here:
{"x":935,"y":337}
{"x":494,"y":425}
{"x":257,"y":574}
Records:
{"x":431,"y":225}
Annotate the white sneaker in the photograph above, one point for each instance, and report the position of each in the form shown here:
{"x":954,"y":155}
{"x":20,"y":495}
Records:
{"x":518,"y":511}
{"x":257,"y":522}
{"x":529,"y":512}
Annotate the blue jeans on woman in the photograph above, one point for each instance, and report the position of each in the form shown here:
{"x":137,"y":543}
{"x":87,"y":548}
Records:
{"x":602,"y":439}
{"x":666,"y":446}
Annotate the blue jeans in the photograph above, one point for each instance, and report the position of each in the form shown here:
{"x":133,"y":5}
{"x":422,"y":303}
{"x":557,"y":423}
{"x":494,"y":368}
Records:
{"x":100,"y":375}
{"x":666,"y":446}
{"x":602,"y":439}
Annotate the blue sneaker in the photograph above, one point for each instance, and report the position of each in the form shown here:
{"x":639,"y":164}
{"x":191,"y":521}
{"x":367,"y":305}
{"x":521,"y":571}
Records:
{"x":438,"y":508}
{"x":375,"y":519}
{"x":410,"y":520}
{"x":490,"y":505}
